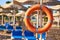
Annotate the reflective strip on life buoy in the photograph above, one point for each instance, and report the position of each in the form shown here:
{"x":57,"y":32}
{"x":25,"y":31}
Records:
{"x":30,"y":11}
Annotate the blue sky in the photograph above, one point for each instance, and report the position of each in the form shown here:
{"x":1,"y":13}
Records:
{"x":58,"y":0}
{"x":2,"y":2}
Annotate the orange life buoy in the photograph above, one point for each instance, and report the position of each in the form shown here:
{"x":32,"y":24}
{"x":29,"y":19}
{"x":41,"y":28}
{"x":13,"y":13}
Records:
{"x":30,"y":11}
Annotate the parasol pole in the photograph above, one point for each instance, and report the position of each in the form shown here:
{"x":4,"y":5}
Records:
{"x":2,"y":18}
{"x":9,"y":19}
{"x":41,"y":2}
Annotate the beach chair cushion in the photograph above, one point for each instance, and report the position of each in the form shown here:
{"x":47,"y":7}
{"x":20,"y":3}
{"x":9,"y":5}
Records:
{"x":29,"y":34}
{"x":2,"y":27}
{"x":17,"y":34}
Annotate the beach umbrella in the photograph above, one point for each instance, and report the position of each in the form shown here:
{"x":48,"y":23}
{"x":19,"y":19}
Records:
{"x":56,"y":7}
{"x":21,"y":13}
{"x":18,"y":14}
{"x":21,"y":0}
{"x":9,"y":14}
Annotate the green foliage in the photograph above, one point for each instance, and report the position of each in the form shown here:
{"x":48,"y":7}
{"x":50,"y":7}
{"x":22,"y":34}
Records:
{"x":6,"y":18}
{"x":45,"y":19}
{"x":28,"y":6}
{"x":8,"y":2}
{"x":0,"y":17}
{"x":17,"y":11}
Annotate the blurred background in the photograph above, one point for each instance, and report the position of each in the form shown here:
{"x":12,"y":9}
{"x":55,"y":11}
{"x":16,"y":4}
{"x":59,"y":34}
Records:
{"x":13,"y":12}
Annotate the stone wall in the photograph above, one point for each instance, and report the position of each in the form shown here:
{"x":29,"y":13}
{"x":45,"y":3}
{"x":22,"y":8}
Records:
{"x":53,"y":34}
